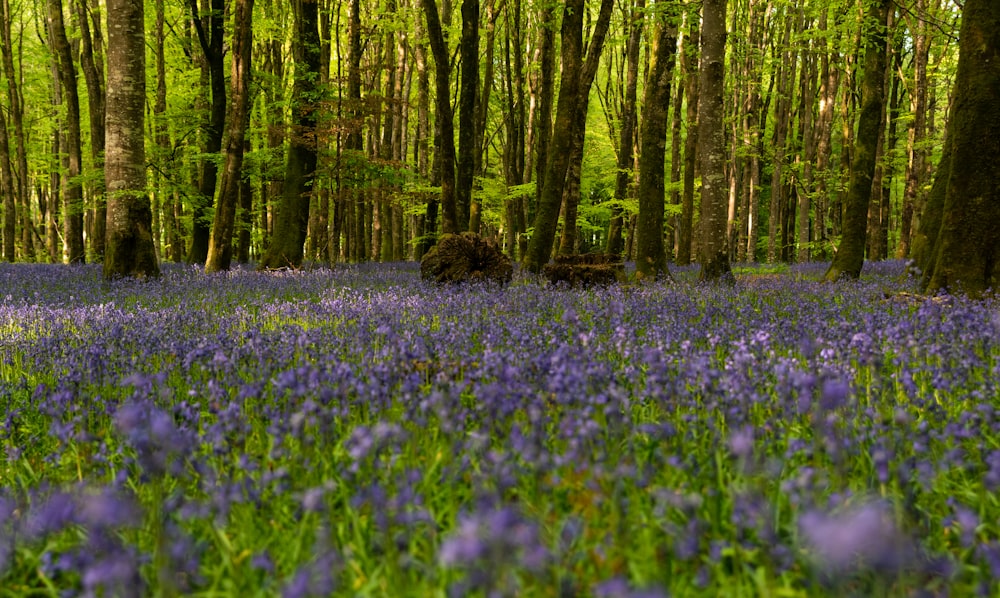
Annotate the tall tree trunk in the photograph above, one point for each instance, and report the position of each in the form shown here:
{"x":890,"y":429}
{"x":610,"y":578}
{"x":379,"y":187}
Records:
{"x":15,"y":104}
{"x":623,"y":178}
{"x":7,"y":188}
{"x":850,"y":257}
{"x":714,"y":255}
{"x":967,"y":247}
{"x":916,"y":153}
{"x":651,"y":255}
{"x":829,"y":79}
{"x":577,"y":75}
{"x":129,"y":247}
{"x":220,"y":247}
{"x":782,"y":118}
{"x":689,"y":65}
{"x":540,"y":136}
{"x":91,"y":62}
{"x":446,"y":148}
{"x":574,"y":168}
{"x":292,"y":219}
{"x":73,"y":191}
{"x":468,"y":91}
{"x":211,"y":42}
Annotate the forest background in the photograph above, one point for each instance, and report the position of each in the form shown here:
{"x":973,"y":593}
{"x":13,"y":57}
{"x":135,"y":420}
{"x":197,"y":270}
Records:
{"x":385,"y":85}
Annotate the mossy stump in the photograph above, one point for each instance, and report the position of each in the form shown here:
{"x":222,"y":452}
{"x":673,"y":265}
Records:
{"x":585,"y":269}
{"x":466,"y":257}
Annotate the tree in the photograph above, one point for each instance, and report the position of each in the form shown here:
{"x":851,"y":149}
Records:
{"x":220,"y":247}
{"x":129,"y":245}
{"x":850,"y":257}
{"x":467,"y":135}
{"x":287,"y":243}
{"x":572,"y":93}
{"x":73,"y":190}
{"x":211,"y":44}
{"x":623,"y":178}
{"x":966,"y":249}
{"x":443,"y":115}
{"x":714,"y":253}
{"x":651,"y":255}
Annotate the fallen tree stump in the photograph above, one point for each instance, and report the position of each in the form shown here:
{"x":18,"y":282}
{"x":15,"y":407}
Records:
{"x":466,"y":257}
{"x":585,"y":269}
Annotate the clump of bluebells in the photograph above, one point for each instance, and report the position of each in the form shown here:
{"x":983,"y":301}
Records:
{"x":356,"y":431}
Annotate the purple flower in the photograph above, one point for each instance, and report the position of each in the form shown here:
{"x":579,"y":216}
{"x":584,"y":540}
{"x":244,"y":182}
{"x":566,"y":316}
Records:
{"x":862,"y":537}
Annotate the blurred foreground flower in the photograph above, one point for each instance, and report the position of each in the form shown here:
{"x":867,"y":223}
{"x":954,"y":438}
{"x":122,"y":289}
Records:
{"x":862,"y":538}
{"x":491,"y":545}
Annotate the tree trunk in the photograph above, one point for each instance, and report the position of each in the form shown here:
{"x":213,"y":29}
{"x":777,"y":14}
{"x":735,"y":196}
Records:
{"x":15,"y":104}
{"x":916,"y":153}
{"x":129,"y":247}
{"x":968,"y":244}
{"x":220,"y":247}
{"x":623,"y":179}
{"x":689,"y":64}
{"x":577,"y":75}
{"x":850,"y":256}
{"x":651,"y":255}
{"x":7,"y":188}
{"x":211,"y":43}
{"x":91,"y":62}
{"x":469,"y":89}
{"x":714,"y":255}
{"x":72,"y":191}
{"x":292,"y":219}
{"x":446,"y":147}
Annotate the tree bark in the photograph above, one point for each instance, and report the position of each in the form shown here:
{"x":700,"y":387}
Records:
{"x":968,"y":244}
{"x":689,"y":64}
{"x":72,"y":191}
{"x":623,"y":178}
{"x":651,"y":255}
{"x":714,"y":254}
{"x":292,"y":218}
{"x":220,"y":247}
{"x":468,"y":91}
{"x":211,"y":43}
{"x":443,"y":113}
{"x":129,"y":247}
{"x":577,"y":75}
{"x":91,"y":62}
{"x":850,"y":257}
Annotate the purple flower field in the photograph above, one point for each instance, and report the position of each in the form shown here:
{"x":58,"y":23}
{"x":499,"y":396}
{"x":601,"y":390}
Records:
{"x":358,"y":432}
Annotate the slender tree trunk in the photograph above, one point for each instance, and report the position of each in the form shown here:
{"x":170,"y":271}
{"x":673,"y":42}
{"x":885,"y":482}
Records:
{"x":623,"y":178}
{"x":73,"y":207}
{"x":91,"y":62}
{"x":782,"y":116}
{"x":469,"y":89}
{"x":829,"y":79}
{"x":211,"y":42}
{"x":577,"y":76}
{"x":651,"y":255}
{"x":129,"y":247}
{"x":446,"y":149}
{"x":916,"y":153}
{"x":850,"y":256}
{"x":220,"y":247}
{"x":7,"y":188}
{"x":689,"y":64}
{"x":15,"y":105}
{"x":292,"y":219}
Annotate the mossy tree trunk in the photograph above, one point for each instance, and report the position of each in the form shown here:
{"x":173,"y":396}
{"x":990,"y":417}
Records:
{"x":444,"y":115}
{"x":850,"y":257}
{"x":220,"y":247}
{"x":129,"y":244}
{"x":651,"y":255}
{"x":287,"y":243}
{"x":967,"y":247}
